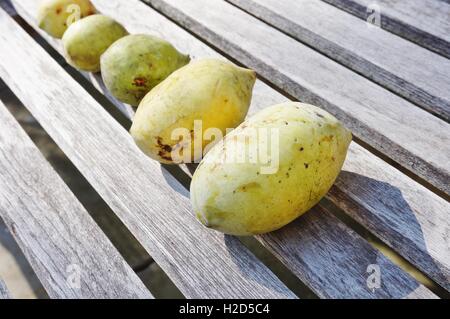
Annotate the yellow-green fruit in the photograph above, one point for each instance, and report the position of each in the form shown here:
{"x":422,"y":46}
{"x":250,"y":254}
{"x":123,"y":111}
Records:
{"x":212,"y":93}
{"x":86,"y":40}
{"x":55,"y":16}
{"x":289,"y":172}
{"x":134,"y":65}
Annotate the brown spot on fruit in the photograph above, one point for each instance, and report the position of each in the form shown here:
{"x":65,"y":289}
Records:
{"x":165,"y":149}
{"x":328,"y":138}
{"x":165,"y":156}
{"x":247,"y":187}
{"x":306,"y":165}
{"x":319,"y":115}
{"x":58,"y":10}
{"x":139,"y":81}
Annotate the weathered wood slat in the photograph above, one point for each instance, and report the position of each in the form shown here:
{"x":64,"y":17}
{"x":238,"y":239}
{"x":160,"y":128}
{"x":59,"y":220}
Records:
{"x":138,"y":18}
{"x":408,"y":217}
{"x":424,"y":22}
{"x":298,"y":245}
{"x":378,"y":117}
{"x":69,"y":253}
{"x":148,"y":200}
{"x":4,"y":293}
{"x":409,"y":70}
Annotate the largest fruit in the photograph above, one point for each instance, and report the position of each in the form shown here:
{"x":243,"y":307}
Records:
{"x":86,"y":40}
{"x":137,"y":63}
{"x":55,"y":16}
{"x":204,"y":95}
{"x":305,"y":147}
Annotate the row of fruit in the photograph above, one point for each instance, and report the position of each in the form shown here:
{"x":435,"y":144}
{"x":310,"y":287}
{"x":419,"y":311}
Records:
{"x":262,"y":175}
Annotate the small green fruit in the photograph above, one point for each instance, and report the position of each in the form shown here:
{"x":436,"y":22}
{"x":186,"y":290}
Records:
{"x":86,"y":40}
{"x":55,"y":16}
{"x":132,"y":66}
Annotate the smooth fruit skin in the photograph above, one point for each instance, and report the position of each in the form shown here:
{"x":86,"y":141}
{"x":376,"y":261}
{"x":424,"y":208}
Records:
{"x":134,"y":65}
{"x":55,"y":16}
{"x":236,"y":198}
{"x":87,"y":39}
{"x":216,"y":92}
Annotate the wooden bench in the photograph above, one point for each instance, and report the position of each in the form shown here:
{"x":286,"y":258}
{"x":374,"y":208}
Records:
{"x":393,"y":94}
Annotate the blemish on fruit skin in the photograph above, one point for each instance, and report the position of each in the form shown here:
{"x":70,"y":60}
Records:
{"x":306,"y":165}
{"x":301,"y":149}
{"x":165,"y":149}
{"x":328,"y":138}
{"x":247,"y":187}
{"x":319,"y":115}
{"x":139,"y":81}
{"x":165,"y":156}
{"x":58,"y":10}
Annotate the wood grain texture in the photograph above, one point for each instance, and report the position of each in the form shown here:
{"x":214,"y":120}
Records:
{"x":424,"y":22}
{"x":378,"y":117}
{"x":68,"y":252}
{"x":4,"y":293}
{"x":426,"y":246}
{"x":319,"y":233}
{"x":148,"y":200}
{"x":139,"y":18}
{"x":409,"y":70}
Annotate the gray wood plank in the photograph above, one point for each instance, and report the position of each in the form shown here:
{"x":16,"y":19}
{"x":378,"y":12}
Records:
{"x":69,"y":253}
{"x":427,"y":207}
{"x":424,"y":22}
{"x":147,"y":199}
{"x":4,"y":293}
{"x":409,"y":70}
{"x":319,"y":233}
{"x":378,"y":117}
